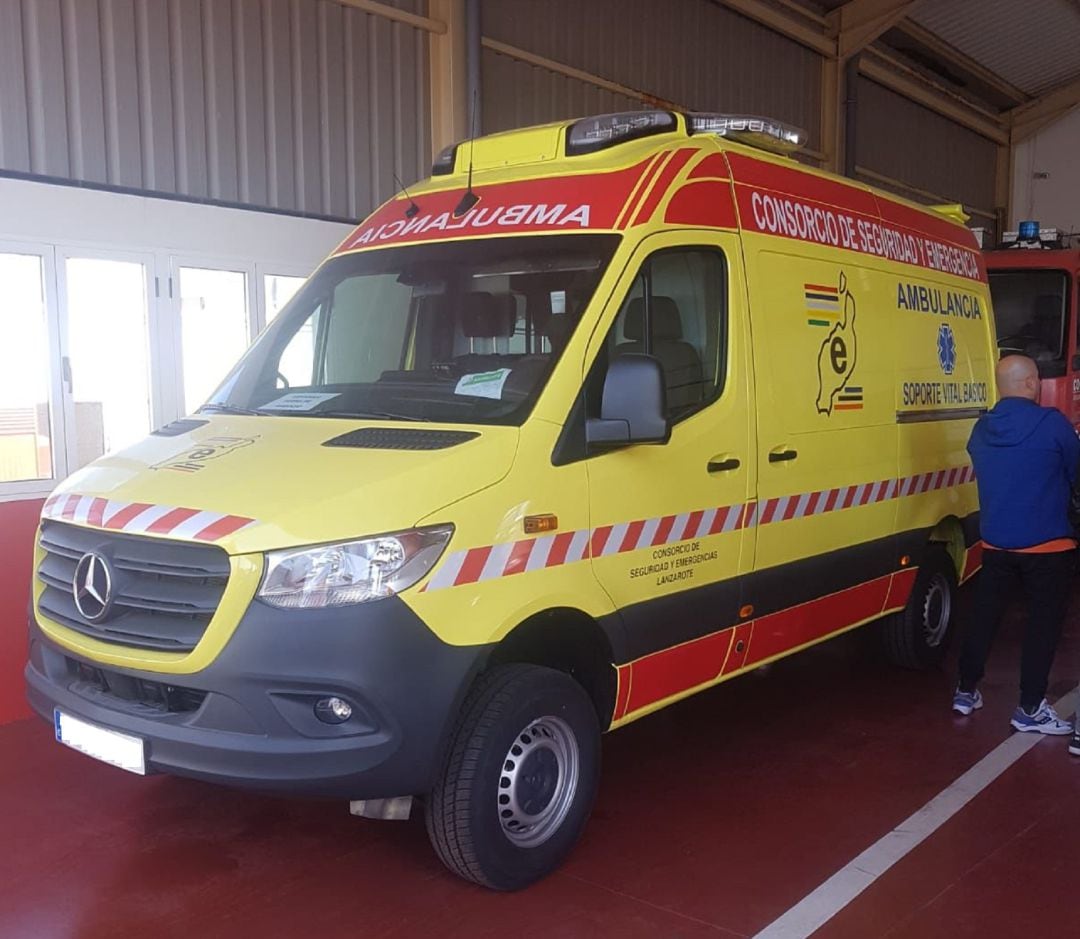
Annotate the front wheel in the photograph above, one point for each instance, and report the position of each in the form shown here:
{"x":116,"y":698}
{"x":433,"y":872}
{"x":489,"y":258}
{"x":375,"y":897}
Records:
{"x":520,"y":778}
{"x":918,"y":636}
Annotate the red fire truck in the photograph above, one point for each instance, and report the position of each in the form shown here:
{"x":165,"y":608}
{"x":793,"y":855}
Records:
{"x":1033,"y":281}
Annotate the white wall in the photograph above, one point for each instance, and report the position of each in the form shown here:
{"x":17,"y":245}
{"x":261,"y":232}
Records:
{"x":159,"y":244}
{"x":31,"y":211}
{"x":1054,"y":202}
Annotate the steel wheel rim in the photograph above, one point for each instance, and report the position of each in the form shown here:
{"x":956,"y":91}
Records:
{"x":936,"y":610}
{"x":538,"y":781}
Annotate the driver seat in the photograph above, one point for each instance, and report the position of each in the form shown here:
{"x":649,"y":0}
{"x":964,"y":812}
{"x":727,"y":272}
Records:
{"x":683,"y":374}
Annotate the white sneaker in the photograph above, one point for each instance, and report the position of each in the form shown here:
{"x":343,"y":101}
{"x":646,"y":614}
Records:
{"x":964,"y":702}
{"x":1044,"y":721}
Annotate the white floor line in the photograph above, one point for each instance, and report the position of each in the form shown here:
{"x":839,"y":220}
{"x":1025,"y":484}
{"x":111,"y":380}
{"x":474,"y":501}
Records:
{"x":823,"y":903}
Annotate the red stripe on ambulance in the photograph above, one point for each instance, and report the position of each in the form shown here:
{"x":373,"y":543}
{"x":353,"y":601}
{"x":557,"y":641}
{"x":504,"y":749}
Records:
{"x":143,"y":518}
{"x":787,"y":203}
{"x":560,"y":203}
{"x":475,"y":564}
{"x":689,"y":666}
{"x":674,"y":166}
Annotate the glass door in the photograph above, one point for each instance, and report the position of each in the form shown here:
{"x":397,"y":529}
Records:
{"x":31,"y":452}
{"x":277,"y":290}
{"x":105,"y":345}
{"x":216,"y":319}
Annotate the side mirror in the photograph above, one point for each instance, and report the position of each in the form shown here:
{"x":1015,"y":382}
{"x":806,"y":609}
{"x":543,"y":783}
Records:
{"x":634,"y":405}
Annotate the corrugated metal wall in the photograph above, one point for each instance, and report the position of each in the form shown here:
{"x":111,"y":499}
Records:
{"x":299,"y":105}
{"x":692,"y":52}
{"x":901,"y":139}
{"x":517,"y":94}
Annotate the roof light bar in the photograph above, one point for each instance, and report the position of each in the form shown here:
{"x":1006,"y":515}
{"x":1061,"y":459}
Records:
{"x":607,"y":130}
{"x":1031,"y":235}
{"x":761,"y":132}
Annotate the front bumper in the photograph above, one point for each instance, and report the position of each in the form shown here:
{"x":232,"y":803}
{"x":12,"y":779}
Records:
{"x":256,"y":726}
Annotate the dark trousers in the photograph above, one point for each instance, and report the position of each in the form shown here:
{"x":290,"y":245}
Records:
{"x":1045,"y":580}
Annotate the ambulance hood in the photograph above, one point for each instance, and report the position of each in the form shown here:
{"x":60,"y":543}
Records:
{"x":284,"y":481}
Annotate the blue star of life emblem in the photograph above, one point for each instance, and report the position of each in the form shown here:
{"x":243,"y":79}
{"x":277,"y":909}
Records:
{"x":946,"y":349}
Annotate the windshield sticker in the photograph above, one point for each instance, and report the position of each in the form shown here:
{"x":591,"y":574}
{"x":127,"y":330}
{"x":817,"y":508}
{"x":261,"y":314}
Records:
{"x":299,"y":401}
{"x":483,"y":384}
{"x":195,"y":457}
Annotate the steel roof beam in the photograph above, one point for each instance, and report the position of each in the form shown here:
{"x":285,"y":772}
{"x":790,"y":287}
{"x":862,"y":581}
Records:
{"x":794,"y":27}
{"x":946,"y":52}
{"x":916,"y":89}
{"x":1028,"y":119}
{"x":858,"y":23}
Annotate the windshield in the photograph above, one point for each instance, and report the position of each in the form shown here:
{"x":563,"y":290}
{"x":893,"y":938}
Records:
{"x":458,"y":332}
{"x":1031,"y":313}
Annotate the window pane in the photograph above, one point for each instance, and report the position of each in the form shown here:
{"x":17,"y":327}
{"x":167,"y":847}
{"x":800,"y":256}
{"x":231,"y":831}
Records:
{"x":686,"y":291}
{"x":109,"y":352}
{"x":297,"y":365}
{"x":1030,"y":310}
{"x":362,"y":341}
{"x":25,"y":447}
{"x":279,"y":291}
{"x":214,"y":328}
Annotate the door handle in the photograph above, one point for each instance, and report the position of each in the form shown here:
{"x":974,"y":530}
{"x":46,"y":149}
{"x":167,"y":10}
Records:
{"x":724,"y":465}
{"x":782,"y":455}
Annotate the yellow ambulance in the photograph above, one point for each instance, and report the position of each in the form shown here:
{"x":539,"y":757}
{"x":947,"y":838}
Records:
{"x":601,"y":414}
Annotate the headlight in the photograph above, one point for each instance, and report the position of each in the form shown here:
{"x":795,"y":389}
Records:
{"x":353,"y":571}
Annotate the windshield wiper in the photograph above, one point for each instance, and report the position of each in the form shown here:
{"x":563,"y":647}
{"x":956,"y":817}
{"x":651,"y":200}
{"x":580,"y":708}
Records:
{"x":229,"y":409}
{"x":361,"y":415}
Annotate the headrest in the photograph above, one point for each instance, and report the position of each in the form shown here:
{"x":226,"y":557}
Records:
{"x":667,"y":324}
{"x":485,"y":315}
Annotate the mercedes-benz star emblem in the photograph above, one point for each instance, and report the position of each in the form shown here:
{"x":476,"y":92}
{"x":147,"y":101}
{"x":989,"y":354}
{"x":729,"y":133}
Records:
{"x":93,"y":587}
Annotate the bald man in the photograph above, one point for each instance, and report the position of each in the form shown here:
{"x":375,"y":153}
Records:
{"x":1026,"y":460}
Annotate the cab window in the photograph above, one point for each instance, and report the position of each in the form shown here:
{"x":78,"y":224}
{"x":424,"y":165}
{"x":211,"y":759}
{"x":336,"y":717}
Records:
{"x":462,"y":332}
{"x":676,"y":311}
{"x":1031,"y":310}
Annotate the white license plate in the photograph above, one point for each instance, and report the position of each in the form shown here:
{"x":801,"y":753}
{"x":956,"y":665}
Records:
{"x":106,"y":745}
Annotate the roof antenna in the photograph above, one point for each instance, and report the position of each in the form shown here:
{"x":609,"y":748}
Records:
{"x":413,"y":210}
{"x":470,"y":198}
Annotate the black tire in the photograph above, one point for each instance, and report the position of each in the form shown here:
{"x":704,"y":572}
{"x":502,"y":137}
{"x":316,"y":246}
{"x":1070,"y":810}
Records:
{"x":544,"y":715}
{"x":918,"y":636}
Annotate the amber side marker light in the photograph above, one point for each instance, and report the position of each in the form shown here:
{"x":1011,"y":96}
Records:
{"x":905,"y":560}
{"x":746,"y":611}
{"x":535,"y":524}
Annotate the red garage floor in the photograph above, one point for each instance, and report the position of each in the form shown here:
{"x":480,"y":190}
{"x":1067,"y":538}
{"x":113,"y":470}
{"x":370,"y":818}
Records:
{"x":714,"y":818}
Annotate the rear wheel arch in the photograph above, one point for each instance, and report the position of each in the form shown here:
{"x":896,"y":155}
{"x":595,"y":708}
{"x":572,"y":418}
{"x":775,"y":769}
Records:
{"x":949,"y":535}
{"x":570,"y":641}
{"x":918,"y":635}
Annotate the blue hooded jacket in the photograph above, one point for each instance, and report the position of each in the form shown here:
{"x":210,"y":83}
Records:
{"x":1025,"y":459}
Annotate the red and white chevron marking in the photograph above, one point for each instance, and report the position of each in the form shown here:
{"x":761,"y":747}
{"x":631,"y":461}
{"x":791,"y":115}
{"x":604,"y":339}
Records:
{"x":516,"y":557}
{"x":142,"y":518}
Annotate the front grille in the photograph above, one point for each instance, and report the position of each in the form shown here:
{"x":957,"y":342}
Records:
{"x":165,"y":592}
{"x":135,"y":694}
